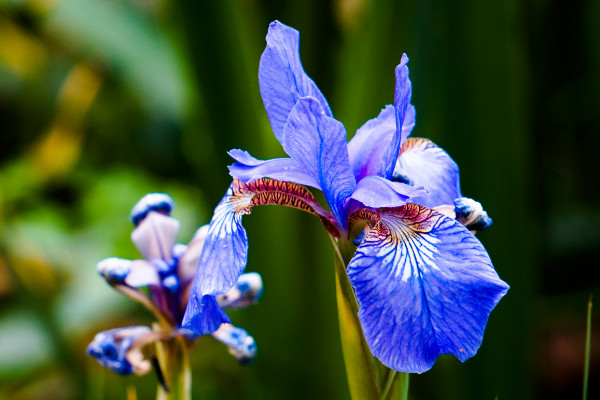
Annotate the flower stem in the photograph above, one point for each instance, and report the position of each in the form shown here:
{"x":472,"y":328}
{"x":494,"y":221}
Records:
{"x":357,"y":357}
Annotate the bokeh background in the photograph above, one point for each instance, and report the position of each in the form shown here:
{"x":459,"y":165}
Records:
{"x":102,"y":101}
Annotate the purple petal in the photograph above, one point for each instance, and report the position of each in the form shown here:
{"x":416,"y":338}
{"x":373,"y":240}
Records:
{"x":155,"y":236}
{"x":223,"y":258}
{"x":376,"y":192}
{"x":427,"y":165}
{"x":203,"y":315}
{"x":249,"y":169}
{"x":367,"y":147}
{"x":425,"y":286}
{"x":318,"y":143}
{"x":281,"y":77}
{"x":402,"y":96}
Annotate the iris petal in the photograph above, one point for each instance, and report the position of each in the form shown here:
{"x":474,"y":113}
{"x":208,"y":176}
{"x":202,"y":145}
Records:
{"x":225,"y":250}
{"x":425,"y":287}
{"x":318,"y":143}
{"x":281,"y":77}
{"x":376,"y":192}
{"x":155,"y":236}
{"x":429,"y":166}
{"x":367,"y":147}
{"x":249,"y":169}
{"x":402,"y":107}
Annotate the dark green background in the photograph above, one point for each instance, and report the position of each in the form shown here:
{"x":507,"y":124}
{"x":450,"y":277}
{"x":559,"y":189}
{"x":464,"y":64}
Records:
{"x":509,"y":89}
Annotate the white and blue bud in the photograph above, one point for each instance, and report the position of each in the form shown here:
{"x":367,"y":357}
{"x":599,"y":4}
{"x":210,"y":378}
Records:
{"x":114,"y":269}
{"x":471,"y":214}
{"x":240,"y":345}
{"x":247,"y":291}
{"x":159,"y":202}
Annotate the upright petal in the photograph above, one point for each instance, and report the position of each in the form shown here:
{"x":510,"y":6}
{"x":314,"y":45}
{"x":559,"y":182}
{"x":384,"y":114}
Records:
{"x":155,"y":236}
{"x":318,"y":143}
{"x":369,"y":144}
{"x":281,"y":77}
{"x":402,"y":107}
{"x":248,"y":169}
{"x":425,"y":286}
{"x":425,"y":164}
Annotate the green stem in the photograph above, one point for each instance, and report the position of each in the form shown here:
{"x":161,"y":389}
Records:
{"x":174,"y":360}
{"x":399,"y":387}
{"x":357,"y":357}
{"x":588,"y":338}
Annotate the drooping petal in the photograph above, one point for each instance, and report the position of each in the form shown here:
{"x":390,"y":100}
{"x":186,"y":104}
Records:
{"x":225,"y":250}
{"x":402,"y":107}
{"x":376,"y":192}
{"x":282,"y":79}
{"x":240,"y":345}
{"x":425,"y":286}
{"x":203,"y":314}
{"x":249,"y":169}
{"x":246,"y":291}
{"x":159,"y":202}
{"x":118,"y":349}
{"x":155,"y":236}
{"x":425,"y":164}
{"x":369,"y":144}
{"x":318,"y":143}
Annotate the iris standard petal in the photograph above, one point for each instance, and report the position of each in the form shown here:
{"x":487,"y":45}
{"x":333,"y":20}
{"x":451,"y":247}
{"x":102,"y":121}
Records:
{"x":425,"y":164}
{"x":282,"y":79}
{"x":425,"y":286}
{"x":155,"y":236}
{"x":376,"y":192}
{"x":402,"y":96}
{"x":318,"y":143}
{"x":248,"y":169}
{"x":367,"y":147}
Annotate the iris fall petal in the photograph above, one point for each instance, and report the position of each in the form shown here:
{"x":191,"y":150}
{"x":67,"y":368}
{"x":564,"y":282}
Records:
{"x":425,"y":287}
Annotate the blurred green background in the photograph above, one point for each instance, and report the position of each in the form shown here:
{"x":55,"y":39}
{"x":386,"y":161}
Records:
{"x":102,"y":101}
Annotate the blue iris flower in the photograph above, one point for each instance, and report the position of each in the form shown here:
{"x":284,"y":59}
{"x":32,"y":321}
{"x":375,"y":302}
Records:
{"x":161,"y":282}
{"x":425,"y":285}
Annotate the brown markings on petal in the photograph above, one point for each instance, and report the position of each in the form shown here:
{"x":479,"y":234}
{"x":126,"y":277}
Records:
{"x":364,"y":214}
{"x":415,"y":143}
{"x":418,"y":218}
{"x":273,"y":192}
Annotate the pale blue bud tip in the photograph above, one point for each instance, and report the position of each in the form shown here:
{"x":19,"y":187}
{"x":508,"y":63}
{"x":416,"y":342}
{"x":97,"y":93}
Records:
{"x":159,"y":202}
